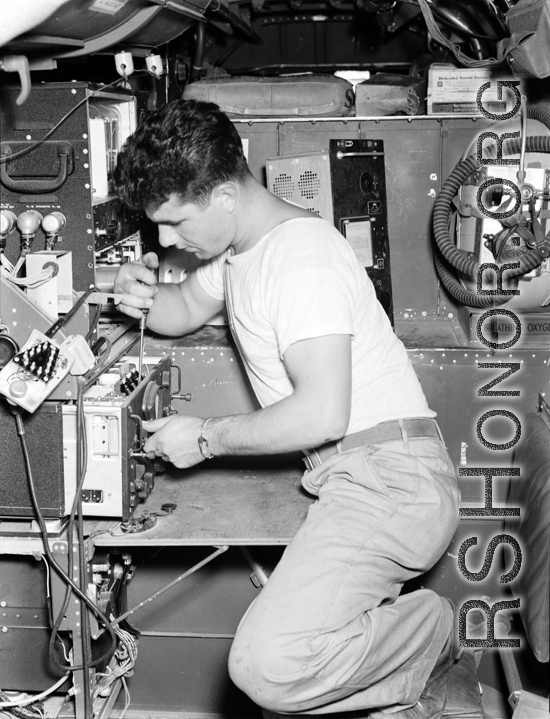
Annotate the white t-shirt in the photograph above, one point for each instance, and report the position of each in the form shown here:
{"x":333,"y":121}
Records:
{"x":302,"y":280}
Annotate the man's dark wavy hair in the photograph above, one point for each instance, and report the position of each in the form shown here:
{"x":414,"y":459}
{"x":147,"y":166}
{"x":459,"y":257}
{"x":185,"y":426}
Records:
{"x":186,"y":148}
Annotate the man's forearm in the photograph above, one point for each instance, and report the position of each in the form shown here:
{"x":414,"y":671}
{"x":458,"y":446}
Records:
{"x":286,"y":426}
{"x":168,"y":315}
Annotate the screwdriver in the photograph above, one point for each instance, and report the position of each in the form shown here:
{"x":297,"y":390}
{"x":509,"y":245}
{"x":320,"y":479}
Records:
{"x":142,"y":323}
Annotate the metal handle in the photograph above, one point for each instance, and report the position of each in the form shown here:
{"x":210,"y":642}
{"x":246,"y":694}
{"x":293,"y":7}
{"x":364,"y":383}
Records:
{"x":20,"y":65}
{"x":178,"y":370}
{"x":140,"y":453}
{"x":341,"y":155}
{"x":176,"y":394}
{"x":34,"y":187}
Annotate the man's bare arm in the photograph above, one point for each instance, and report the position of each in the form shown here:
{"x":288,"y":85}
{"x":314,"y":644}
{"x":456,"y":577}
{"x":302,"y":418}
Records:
{"x":318,"y":411}
{"x":174,"y":309}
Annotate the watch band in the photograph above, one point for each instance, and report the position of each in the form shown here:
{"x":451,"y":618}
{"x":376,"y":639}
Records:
{"x":203,"y":442}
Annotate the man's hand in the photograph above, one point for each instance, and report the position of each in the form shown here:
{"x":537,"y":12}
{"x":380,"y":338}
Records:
{"x":175,"y":438}
{"x":138,"y":285}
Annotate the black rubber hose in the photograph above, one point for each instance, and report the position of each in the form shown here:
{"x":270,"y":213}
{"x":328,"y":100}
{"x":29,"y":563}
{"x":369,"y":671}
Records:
{"x":540,"y":113}
{"x":460,"y":293}
{"x":198,"y":58}
{"x":462,"y":260}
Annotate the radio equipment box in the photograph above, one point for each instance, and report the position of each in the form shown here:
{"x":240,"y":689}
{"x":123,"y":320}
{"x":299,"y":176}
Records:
{"x":345,"y":185}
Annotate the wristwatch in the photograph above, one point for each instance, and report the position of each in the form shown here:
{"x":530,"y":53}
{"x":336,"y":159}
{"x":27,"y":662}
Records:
{"x":203,"y":442}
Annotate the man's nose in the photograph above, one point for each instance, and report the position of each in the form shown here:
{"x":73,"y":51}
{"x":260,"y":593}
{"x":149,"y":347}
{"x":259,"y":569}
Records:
{"x":167,"y":236}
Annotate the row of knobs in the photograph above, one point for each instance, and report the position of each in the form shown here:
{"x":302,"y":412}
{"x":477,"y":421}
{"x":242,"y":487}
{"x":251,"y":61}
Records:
{"x":28,"y":222}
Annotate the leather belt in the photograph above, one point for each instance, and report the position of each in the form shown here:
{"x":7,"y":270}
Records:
{"x":384,"y":432}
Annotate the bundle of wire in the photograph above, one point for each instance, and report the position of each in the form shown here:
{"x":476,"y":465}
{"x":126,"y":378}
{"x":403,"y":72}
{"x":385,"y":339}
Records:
{"x":124,"y":660}
{"x":10,"y":272}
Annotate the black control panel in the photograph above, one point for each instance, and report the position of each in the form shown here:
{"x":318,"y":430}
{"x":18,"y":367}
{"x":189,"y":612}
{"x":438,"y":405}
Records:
{"x":358,"y":182}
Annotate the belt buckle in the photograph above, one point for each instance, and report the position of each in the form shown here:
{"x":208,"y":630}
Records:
{"x":306,"y":459}
{"x":311,"y":463}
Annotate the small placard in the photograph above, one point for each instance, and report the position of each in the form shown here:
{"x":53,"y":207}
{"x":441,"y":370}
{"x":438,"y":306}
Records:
{"x":358,"y":233}
{"x":109,"y":7}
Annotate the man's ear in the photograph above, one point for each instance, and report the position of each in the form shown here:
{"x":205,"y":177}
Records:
{"x":226,"y":195}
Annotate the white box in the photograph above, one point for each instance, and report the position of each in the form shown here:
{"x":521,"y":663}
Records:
{"x":55,"y":296}
{"x":453,"y":90}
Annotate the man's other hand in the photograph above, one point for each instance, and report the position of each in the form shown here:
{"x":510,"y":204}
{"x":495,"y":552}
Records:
{"x":137,"y":283}
{"x":175,"y":438}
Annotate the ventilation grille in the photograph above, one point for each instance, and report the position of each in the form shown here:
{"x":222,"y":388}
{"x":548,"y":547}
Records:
{"x":303,"y":179}
{"x":309,"y":184}
{"x":283,"y":186}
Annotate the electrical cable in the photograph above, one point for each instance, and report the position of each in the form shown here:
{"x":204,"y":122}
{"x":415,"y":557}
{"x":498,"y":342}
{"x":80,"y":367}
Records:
{"x":92,"y":375}
{"x":125,"y":655}
{"x":70,"y":532}
{"x":20,"y":712}
{"x":104,"y":361}
{"x":93,"y":324}
{"x":454,"y":24}
{"x":460,"y":259}
{"x":36,"y":697}
{"x":24,"y":151}
{"x":62,"y":321}
{"x":9,"y":271}
{"x":47,"y":550}
{"x":81,"y":462}
{"x":127,"y":694}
